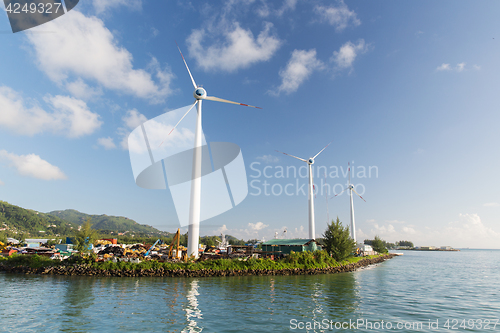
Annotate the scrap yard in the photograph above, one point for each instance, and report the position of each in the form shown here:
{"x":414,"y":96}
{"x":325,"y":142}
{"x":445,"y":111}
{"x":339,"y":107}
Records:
{"x":111,"y":250}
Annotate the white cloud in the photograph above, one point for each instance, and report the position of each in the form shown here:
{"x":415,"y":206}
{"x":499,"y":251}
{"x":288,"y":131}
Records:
{"x":444,"y":67}
{"x":81,"y":90}
{"x":467,"y":231}
{"x":266,"y":9}
{"x":107,"y":143}
{"x":85,"y":48}
{"x":348,"y":52}
{"x":131,"y":120}
{"x":257,"y":226}
{"x":222,"y":230}
{"x":236,"y":49}
{"x":288,"y":5}
{"x":395,"y":222}
{"x":101,"y":6}
{"x":458,"y":68}
{"x":70,"y":117}
{"x":340,"y":17}
{"x":409,"y":230}
{"x":73,"y":117}
{"x":491,"y":204}
{"x":32,"y":166}
{"x":268,"y":158}
{"x":157,"y":131}
{"x":299,"y":68}
{"x":419,"y":151}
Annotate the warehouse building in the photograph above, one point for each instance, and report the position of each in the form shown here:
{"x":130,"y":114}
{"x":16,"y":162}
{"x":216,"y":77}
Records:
{"x":285,"y":246}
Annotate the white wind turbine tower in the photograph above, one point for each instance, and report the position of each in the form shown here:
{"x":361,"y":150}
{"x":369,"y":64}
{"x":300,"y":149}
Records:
{"x":351,"y":188}
{"x":195,"y":200}
{"x":310,"y":162}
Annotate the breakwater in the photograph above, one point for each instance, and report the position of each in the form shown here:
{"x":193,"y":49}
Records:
{"x":88,"y":270}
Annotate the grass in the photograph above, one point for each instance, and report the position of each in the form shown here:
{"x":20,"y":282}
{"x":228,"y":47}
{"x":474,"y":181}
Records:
{"x":301,"y":260}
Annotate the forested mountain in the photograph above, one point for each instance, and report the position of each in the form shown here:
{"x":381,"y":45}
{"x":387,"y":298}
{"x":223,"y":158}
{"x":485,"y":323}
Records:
{"x":105,"y":222}
{"x":15,"y":220}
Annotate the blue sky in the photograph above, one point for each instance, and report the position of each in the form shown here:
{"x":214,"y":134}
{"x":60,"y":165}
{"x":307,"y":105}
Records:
{"x":408,"y":88}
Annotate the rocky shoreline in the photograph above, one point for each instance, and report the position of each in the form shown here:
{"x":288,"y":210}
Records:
{"x":86,"y":270}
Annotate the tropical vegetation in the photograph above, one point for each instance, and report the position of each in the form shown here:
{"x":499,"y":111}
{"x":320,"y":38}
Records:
{"x":337,"y":241}
{"x":300,"y":260}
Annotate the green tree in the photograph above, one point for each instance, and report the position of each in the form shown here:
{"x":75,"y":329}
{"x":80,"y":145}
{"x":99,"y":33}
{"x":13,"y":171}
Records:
{"x":3,"y":237}
{"x":183,"y":239}
{"x":21,"y":236}
{"x":338,"y":241}
{"x":85,"y":237}
{"x":405,"y":243}
{"x":378,"y":245}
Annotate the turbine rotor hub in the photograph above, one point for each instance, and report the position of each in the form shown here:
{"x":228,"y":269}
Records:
{"x":310,"y":161}
{"x":200,"y":93}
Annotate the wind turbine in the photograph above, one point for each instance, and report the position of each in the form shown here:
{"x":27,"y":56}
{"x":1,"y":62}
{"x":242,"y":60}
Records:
{"x":351,"y":188}
{"x":195,"y":200}
{"x":309,"y":162}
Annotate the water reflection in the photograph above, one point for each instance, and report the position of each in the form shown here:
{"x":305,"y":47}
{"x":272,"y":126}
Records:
{"x":78,"y":297}
{"x":191,"y":309}
{"x":342,"y":295}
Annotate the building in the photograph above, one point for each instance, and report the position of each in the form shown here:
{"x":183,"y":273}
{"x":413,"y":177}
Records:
{"x":285,"y":246}
{"x":367,"y":250}
{"x":36,"y":242}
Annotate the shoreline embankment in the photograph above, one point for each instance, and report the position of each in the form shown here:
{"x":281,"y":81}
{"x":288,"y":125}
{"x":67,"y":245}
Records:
{"x":88,"y":270}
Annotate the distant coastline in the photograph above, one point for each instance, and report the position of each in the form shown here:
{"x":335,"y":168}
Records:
{"x":435,"y":249}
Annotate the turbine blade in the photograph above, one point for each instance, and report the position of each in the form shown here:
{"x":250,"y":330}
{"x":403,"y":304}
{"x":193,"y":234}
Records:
{"x":303,"y":160}
{"x":185,"y":63}
{"x":217,"y":99}
{"x":358,"y":194}
{"x":179,"y":121}
{"x":322,"y":150}
{"x":339,"y":193}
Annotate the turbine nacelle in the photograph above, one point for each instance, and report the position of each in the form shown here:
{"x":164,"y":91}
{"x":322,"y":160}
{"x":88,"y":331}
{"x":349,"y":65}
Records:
{"x":310,"y":161}
{"x":350,"y":186}
{"x":200,"y":93}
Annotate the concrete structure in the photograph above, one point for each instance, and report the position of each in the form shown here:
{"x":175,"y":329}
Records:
{"x":285,"y":246}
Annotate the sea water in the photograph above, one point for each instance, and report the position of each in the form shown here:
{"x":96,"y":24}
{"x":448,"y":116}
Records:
{"x":417,"y":292}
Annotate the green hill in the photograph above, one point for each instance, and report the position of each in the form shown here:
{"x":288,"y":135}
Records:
{"x":15,"y":220}
{"x":106,"y":223}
